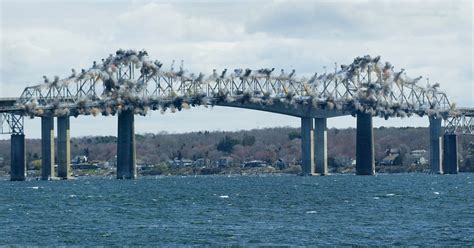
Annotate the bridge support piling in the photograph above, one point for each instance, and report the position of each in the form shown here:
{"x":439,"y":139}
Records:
{"x":365,"y":160}
{"x":126,"y":167}
{"x":18,"y":165}
{"x":47,"y":147}
{"x":450,"y":154}
{"x":64,"y":147}
{"x":435,"y":145}
{"x":307,"y":152}
{"x":320,"y":146}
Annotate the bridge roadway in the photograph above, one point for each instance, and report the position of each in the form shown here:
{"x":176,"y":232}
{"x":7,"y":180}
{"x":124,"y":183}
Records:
{"x":313,"y":143}
{"x":7,"y":104}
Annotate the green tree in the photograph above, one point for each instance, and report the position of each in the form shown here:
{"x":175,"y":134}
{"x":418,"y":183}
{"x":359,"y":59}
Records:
{"x":294,"y":135}
{"x":248,"y":140}
{"x":227,"y":144}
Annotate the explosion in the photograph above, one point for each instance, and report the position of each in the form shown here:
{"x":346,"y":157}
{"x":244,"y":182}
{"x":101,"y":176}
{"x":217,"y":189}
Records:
{"x":129,"y":80}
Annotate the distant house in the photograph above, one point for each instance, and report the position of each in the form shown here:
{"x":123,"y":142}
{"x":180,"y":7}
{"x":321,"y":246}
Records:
{"x":417,"y":157}
{"x":224,"y":162}
{"x":203,"y":162}
{"x":141,"y":166}
{"x":392,"y":157}
{"x":281,"y":164}
{"x":79,"y":159}
{"x":84,"y":166}
{"x":254,"y":163}
{"x":113,"y":161}
{"x":182,"y":162}
{"x":105,"y":165}
{"x":341,"y":161}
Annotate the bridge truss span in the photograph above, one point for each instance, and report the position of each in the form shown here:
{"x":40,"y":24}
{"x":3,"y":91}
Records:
{"x":129,"y":80}
{"x":11,"y":123}
{"x":461,"y":123}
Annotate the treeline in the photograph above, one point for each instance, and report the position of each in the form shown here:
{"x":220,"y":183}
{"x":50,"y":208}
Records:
{"x":269,"y":145}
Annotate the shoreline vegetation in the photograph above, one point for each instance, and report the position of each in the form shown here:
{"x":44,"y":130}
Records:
{"x":246,"y":152}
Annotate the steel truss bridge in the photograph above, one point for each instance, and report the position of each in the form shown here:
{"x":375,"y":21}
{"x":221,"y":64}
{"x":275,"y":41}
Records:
{"x":129,"y":83}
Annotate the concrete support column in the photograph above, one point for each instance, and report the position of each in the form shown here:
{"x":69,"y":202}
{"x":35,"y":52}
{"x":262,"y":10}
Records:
{"x":450,"y":154}
{"x":18,"y":165}
{"x":126,"y":167}
{"x":435,"y":145}
{"x":64,"y":147}
{"x":321,"y":146}
{"x":307,"y":151}
{"x":365,"y":159}
{"x":47,"y":147}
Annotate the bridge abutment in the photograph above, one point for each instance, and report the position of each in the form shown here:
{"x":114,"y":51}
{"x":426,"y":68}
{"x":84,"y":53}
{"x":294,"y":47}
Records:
{"x":320,"y":146}
{"x":18,"y":165}
{"x":47,"y":147}
{"x":450,"y":154}
{"x":64,"y":147}
{"x":307,"y":152}
{"x":435,"y":145}
{"x":126,"y":167}
{"x":365,"y":159}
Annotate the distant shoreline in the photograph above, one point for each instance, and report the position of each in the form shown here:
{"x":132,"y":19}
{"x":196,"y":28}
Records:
{"x":112,"y":177}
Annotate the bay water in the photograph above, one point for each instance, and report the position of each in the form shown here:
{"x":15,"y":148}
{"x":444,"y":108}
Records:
{"x":391,"y":209}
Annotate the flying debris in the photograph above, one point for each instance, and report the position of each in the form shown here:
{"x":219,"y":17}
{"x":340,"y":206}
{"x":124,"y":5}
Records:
{"x":46,"y":79}
{"x":214,"y":75}
{"x":266,"y":71}
{"x":142,"y":54}
{"x":73,"y":73}
{"x":397,"y":76}
{"x":158,"y":64}
{"x":433,"y":87}
{"x":181,"y":71}
{"x":282,"y":73}
{"x":292,"y":74}
{"x":247,"y":72}
{"x":376,"y":59}
{"x":55,"y":81}
{"x":200,"y":77}
{"x":313,"y":78}
{"x":238,"y":72}
{"x":223,"y":73}
{"x":172,"y":66}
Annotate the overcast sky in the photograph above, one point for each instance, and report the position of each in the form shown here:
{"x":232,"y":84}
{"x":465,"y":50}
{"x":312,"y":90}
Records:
{"x":429,"y":38}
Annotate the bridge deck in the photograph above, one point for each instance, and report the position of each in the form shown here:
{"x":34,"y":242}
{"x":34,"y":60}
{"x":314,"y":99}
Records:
{"x":7,"y":104}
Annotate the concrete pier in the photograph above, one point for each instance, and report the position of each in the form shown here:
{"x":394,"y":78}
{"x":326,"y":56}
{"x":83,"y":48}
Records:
{"x":365,"y":159}
{"x":450,"y":154}
{"x":47,"y":147}
{"x":126,"y":167}
{"x":320,"y":146}
{"x":18,"y":165}
{"x":64,"y":148}
{"x":307,"y":151}
{"x":435,"y":145}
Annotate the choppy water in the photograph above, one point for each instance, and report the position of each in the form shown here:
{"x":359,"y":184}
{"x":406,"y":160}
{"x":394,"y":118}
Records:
{"x":402,"y":209}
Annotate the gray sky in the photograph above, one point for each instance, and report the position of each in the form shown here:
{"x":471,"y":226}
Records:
{"x":429,"y":38}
